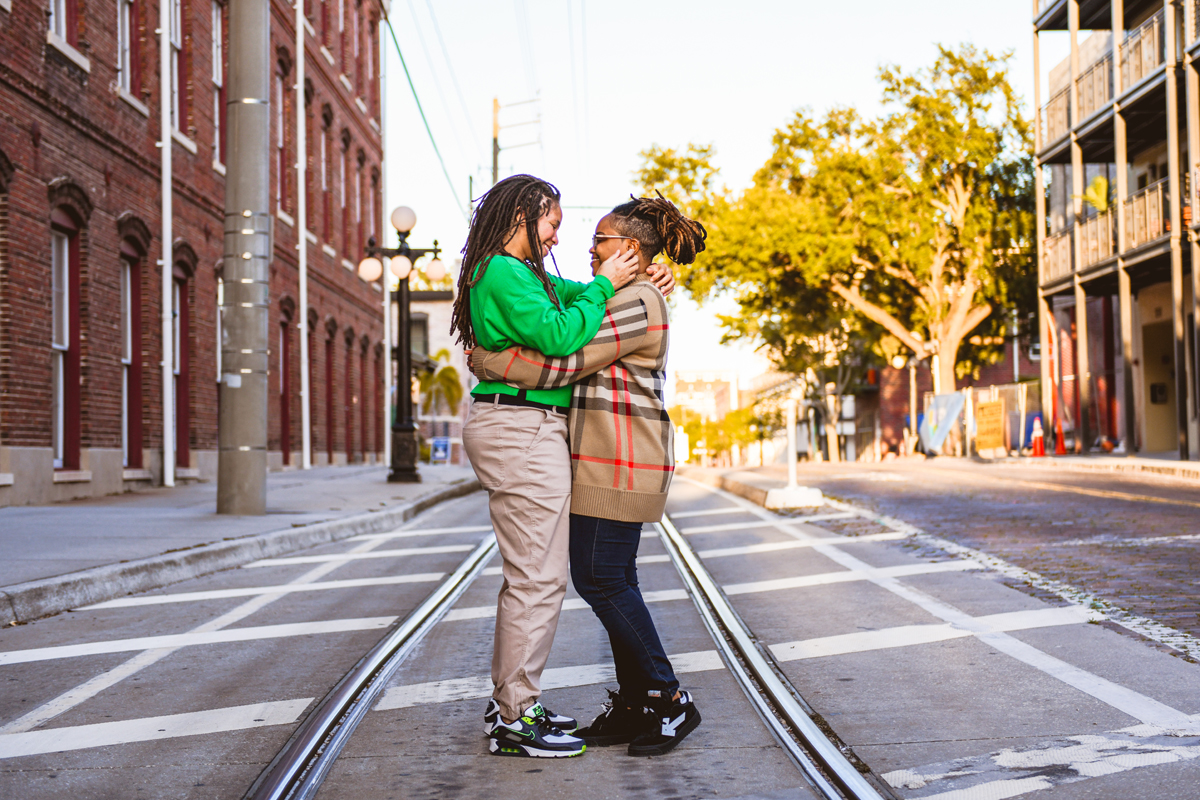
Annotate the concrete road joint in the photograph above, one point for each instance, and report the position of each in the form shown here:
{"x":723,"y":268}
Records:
{"x":32,"y":600}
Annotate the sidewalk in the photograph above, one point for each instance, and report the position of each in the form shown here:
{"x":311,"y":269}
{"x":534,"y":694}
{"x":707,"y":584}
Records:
{"x":62,"y":556}
{"x":1152,"y":465}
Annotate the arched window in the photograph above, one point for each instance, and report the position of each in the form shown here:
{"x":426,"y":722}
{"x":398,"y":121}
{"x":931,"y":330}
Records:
{"x":326,"y":177}
{"x":134,"y":244}
{"x":283,"y":105}
{"x":219,"y":34}
{"x":287,"y":309}
{"x":66,"y":404}
{"x":358,"y":204}
{"x":379,"y":395}
{"x":351,"y":398}
{"x":344,"y":177}
{"x":364,"y":405}
{"x":181,"y":316}
{"x":330,"y":380}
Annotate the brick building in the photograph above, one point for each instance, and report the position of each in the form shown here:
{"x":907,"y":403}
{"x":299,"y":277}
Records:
{"x":81,"y":253}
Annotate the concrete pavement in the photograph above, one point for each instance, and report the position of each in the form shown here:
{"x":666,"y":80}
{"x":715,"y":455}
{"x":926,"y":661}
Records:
{"x":65,"y":555}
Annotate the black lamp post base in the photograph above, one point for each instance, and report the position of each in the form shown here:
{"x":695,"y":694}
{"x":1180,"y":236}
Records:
{"x":404,"y":457}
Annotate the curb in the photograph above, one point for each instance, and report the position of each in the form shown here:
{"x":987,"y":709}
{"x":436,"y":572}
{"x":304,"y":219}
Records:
{"x":23,"y":602}
{"x":752,"y":493}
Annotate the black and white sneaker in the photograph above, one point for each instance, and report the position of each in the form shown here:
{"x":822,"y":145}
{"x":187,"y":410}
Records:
{"x":674,"y":719}
{"x":620,"y":723}
{"x":533,"y":736}
{"x":491,"y":718}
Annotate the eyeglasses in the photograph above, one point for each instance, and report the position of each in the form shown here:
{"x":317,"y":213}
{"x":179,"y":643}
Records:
{"x":596,"y":239}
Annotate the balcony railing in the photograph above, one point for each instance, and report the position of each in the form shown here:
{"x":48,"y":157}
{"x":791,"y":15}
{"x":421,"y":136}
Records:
{"x":1056,"y":250}
{"x":1044,"y":4}
{"x":1194,"y":33}
{"x":1056,"y":117}
{"x":1098,"y":238}
{"x":1145,"y":214}
{"x":1095,"y":87}
{"x":1143,"y":51}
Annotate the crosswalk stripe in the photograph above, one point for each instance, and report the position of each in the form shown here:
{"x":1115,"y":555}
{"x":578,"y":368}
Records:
{"x":908,"y":635}
{"x":573,"y":604}
{"x":792,"y":544}
{"x":149,"y":729}
{"x":845,"y":576}
{"x":338,"y":557}
{"x":195,"y":638}
{"x":285,"y":588}
{"x":738,"y":526}
{"x":707,"y":512}
{"x":383,"y":537}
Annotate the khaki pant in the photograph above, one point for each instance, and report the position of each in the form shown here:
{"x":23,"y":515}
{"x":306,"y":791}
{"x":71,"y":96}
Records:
{"x":522,"y":458}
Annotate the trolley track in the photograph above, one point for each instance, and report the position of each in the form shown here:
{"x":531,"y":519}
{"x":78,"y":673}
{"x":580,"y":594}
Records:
{"x":299,"y":769}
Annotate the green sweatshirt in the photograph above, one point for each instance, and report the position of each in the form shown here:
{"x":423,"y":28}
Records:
{"x":510,"y":307}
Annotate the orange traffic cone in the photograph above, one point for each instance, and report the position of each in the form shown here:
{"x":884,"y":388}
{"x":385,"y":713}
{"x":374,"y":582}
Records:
{"x":1038,"y":443}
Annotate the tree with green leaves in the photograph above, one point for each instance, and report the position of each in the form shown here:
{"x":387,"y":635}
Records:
{"x":910,"y":229}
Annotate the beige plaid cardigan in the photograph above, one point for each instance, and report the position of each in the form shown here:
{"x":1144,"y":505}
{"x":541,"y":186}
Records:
{"x":622,"y":441}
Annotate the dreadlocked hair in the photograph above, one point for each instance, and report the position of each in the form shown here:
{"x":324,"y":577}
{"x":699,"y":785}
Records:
{"x":660,"y":227}
{"x":515,"y":201}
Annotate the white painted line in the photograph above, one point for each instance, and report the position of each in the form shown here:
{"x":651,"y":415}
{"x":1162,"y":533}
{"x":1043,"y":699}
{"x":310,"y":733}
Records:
{"x":81,"y":693}
{"x":862,"y":573}
{"x":149,"y":729}
{"x":793,"y":544}
{"x":738,"y":526}
{"x":1058,"y":762}
{"x":492,"y":571}
{"x":708,"y":512}
{"x":286,"y":588}
{"x":909,"y":635}
{"x":337,"y":558}
{"x":195,"y":638}
{"x":573,"y":604}
{"x":480,"y":686}
{"x":1136,"y":705}
{"x":383,"y":537}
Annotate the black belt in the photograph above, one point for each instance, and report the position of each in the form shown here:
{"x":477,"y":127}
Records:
{"x":517,"y":400}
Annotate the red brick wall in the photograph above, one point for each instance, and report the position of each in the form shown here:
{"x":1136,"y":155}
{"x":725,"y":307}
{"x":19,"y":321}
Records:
{"x":58,"y":122}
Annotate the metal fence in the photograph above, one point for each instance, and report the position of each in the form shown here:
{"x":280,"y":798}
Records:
{"x":1022,"y":405}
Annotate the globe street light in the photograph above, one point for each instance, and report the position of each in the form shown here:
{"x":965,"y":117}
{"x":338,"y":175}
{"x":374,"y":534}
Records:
{"x":404,"y":427}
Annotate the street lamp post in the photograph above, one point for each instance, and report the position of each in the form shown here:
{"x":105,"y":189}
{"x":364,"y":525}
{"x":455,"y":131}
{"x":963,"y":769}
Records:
{"x":404,"y":427}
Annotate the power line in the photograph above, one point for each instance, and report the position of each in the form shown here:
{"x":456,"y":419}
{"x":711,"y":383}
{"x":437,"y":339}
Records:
{"x":587,"y":121}
{"x":421,"y":110}
{"x":437,"y":29}
{"x":441,"y":94}
{"x":526,"y":44}
{"x":574,"y":83}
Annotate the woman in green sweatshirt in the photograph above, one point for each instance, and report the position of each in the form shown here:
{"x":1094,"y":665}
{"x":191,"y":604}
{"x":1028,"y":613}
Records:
{"x":517,"y":440}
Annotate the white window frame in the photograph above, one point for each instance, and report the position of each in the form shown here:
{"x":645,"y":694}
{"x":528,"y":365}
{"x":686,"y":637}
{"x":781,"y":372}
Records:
{"x":358,"y":182}
{"x":176,"y":56}
{"x":371,"y":213}
{"x":175,"y":321}
{"x":280,"y":91}
{"x":220,"y":322}
{"x":60,"y":335}
{"x":58,"y":18}
{"x":125,"y":28}
{"x":218,"y":76}
{"x":126,"y":353}
{"x":324,"y":161}
{"x":345,"y":153}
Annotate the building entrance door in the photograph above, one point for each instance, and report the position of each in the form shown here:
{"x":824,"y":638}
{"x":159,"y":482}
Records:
{"x":1158,"y":359}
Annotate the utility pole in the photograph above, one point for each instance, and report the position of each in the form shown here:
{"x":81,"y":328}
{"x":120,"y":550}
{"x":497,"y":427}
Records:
{"x":242,"y":426}
{"x":495,"y":140}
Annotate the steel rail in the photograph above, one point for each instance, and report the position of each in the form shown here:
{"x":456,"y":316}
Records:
{"x":297,"y":771}
{"x":772,"y":698}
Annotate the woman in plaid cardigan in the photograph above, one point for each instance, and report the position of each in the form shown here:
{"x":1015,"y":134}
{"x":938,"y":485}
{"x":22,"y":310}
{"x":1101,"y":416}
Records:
{"x":622,"y":460}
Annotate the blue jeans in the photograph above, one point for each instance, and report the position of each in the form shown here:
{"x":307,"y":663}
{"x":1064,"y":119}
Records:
{"x":604,"y":570}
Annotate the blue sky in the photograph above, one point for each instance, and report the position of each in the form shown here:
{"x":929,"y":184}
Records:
{"x":616,"y":77}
